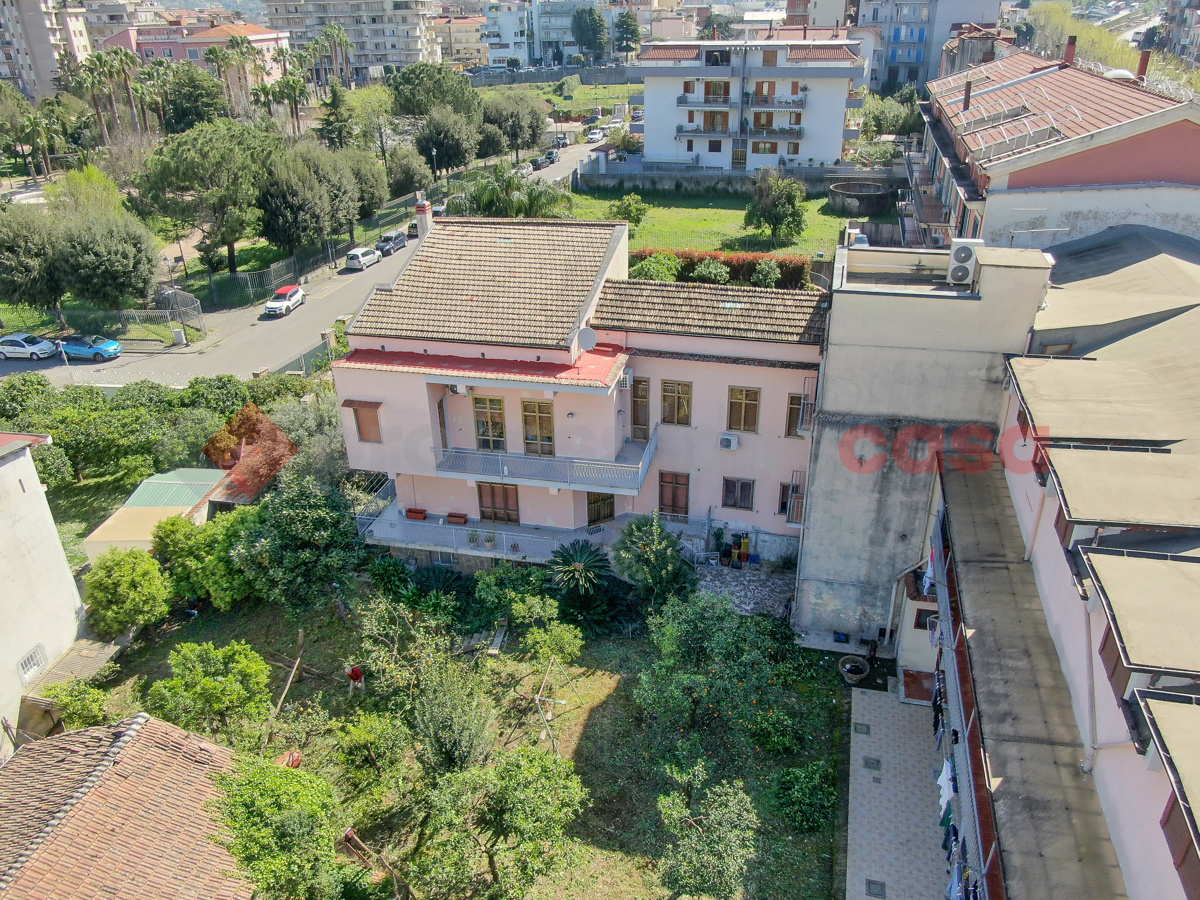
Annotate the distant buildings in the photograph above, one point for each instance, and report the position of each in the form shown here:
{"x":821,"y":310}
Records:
{"x":508,"y":32}
{"x":914,"y":32}
{"x":742,"y":105}
{"x":460,"y":39}
{"x":1181,"y":27}
{"x":35,"y":35}
{"x":179,"y":43}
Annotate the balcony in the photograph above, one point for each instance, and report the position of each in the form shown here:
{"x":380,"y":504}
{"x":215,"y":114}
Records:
{"x":795,"y":132}
{"x":694,"y":101}
{"x":761,"y":101}
{"x":855,"y":102}
{"x":851,"y":134}
{"x":623,"y":475}
{"x":701,"y":131}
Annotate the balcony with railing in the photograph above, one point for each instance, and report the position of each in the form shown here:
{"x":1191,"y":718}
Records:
{"x":702,"y":131}
{"x":623,"y":475}
{"x":794,"y":132}
{"x":763,"y":101}
{"x":699,"y":101}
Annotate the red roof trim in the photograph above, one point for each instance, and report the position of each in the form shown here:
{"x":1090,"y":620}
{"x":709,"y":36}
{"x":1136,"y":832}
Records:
{"x":595,"y":368}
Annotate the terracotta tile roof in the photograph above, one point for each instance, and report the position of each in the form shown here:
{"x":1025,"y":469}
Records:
{"x":594,"y":368}
{"x":710,"y":310}
{"x":1057,"y":103}
{"x":117,"y":811}
{"x":11,"y":441}
{"x":802,"y":52}
{"x":232,"y":29}
{"x":670,"y":51}
{"x":514,"y":282}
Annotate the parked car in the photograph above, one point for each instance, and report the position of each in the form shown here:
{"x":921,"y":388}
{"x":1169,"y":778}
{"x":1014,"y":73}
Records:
{"x":90,"y":346}
{"x":552,"y":156}
{"x":595,"y":136}
{"x":362,"y":257}
{"x":591,"y":120}
{"x":638,"y":115}
{"x":391,"y":241}
{"x":562,"y":140}
{"x":526,"y":169}
{"x":26,"y":346}
{"x":439,"y":210}
{"x":412,"y":233}
{"x":539,"y":163}
{"x":617,"y":123}
{"x":285,"y":300}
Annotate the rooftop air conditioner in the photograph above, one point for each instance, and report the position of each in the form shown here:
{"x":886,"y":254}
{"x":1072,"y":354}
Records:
{"x":626,"y":379}
{"x":937,"y":239}
{"x":964,"y":260}
{"x":729,"y":441}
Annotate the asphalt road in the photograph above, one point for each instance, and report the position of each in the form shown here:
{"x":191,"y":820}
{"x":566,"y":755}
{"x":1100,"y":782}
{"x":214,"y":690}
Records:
{"x":241,"y":341}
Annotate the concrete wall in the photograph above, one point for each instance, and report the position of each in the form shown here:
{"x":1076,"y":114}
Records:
{"x":898,"y":360}
{"x":39,"y":604}
{"x":588,"y":75}
{"x":650,"y":178}
{"x":1039,"y":218}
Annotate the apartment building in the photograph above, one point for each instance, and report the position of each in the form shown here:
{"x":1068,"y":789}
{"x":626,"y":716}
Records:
{"x":914,"y":32}
{"x":1181,"y":27}
{"x":974,"y":45}
{"x":107,"y":18}
{"x":178,"y":43}
{"x":34,"y":36}
{"x":508,"y":32}
{"x":460,"y":39}
{"x":538,"y":397}
{"x":1028,"y":152}
{"x":742,"y":105}
{"x":395,"y":33}
{"x":1064,"y":580}
{"x":553,"y":41}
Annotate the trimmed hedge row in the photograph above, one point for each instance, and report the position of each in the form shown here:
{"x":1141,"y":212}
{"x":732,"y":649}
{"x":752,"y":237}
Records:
{"x":793,"y":270}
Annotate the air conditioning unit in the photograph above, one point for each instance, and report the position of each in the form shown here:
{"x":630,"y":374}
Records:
{"x":964,"y":260}
{"x":729,"y":441}
{"x":460,"y":390}
{"x":626,"y":380}
{"x":937,"y":239}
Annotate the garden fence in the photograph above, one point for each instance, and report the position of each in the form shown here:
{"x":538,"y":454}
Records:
{"x":311,"y":361}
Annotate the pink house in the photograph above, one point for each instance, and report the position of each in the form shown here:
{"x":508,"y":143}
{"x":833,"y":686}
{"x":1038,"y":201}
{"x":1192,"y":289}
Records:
{"x":179,"y":42}
{"x":517,"y":392}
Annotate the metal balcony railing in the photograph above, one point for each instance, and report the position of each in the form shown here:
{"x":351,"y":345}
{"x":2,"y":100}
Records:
{"x":796,"y":132}
{"x":762,"y":101}
{"x":481,"y":538}
{"x":695,"y":101}
{"x":694,"y":131}
{"x":623,"y":475}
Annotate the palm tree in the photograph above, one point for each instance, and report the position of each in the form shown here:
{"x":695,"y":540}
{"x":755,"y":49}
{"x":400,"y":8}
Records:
{"x":505,"y":193}
{"x":36,"y":131}
{"x":157,"y":79}
{"x":281,"y":56}
{"x":93,"y":83}
{"x":107,"y":65}
{"x":218,"y":57}
{"x":294,"y":92}
{"x":579,"y":567}
{"x":263,"y":95}
{"x":337,"y":43}
{"x":123,"y":63}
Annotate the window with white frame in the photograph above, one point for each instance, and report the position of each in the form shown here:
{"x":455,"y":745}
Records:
{"x":32,"y":664}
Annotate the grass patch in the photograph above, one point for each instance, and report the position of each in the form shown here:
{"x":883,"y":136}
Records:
{"x":79,"y":508}
{"x":582,"y":102}
{"x":680,"y":221}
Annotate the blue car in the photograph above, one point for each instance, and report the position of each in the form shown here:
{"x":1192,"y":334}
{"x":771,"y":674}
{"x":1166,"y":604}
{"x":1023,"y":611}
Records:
{"x":91,"y":346}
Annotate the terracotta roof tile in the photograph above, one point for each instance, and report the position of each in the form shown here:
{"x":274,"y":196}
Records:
{"x":231,"y":29}
{"x":118,"y":811}
{"x":670,"y":51}
{"x":514,"y":282}
{"x":710,"y":310}
{"x":802,"y":52}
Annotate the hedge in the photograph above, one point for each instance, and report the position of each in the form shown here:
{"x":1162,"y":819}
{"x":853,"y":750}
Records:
{"x":793,"y":270}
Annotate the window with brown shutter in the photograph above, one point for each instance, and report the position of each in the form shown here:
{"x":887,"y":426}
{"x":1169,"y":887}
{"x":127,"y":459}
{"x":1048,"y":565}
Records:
{"x":1110,"y":657}
{"x":366,"y":419}
{"x":738,"y":493}
{"x":1063,"y":527}
{"x":498,"y":503}
{"x":795,"y":88}
{"x":770,"y":58}
{"x":689,"y":87}
{"x":673,"y":493}
{"x":1183,"y":849}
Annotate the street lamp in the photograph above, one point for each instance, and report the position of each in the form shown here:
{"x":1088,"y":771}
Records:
{"x":435,"y":171}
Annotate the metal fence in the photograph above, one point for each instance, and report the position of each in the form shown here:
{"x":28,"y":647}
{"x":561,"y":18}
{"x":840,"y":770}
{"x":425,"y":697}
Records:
{"x":311,"y":361}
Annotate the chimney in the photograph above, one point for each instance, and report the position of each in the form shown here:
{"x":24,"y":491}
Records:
{"x":967,"y":96}
{"x":424,"y":212}
{"x":1069,"y":55}
{"x":836,"y":24}
{"x":1143,"y":65}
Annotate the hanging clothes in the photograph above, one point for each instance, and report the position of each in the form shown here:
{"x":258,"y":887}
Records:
{"x":945,"y":781}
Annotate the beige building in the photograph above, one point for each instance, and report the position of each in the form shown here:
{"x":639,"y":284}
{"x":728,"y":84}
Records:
{"x":397,"y":36}
{"x":34,"y":36}
{"x":460,"y":39}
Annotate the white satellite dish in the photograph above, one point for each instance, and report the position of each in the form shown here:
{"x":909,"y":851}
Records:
{"x":587,"y":338}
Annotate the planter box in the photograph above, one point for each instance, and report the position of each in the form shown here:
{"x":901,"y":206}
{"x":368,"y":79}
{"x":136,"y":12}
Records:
{"x":413,"y":513}
{"x":456,"y":518}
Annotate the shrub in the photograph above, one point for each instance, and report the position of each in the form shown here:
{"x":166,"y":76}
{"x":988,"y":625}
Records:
{"x":659,"y":267}
{"x":631,"y":208}
{"x":766,"y":273}
{"x":566,"y":87}
{"x":52,"y":465}
{"x":79,"y":704}
{"x":808,"y":796}
{"x":710,"y":271}
{"x":126,"y":588}
{"x":793,"y":270}
{"x":136,"y":469}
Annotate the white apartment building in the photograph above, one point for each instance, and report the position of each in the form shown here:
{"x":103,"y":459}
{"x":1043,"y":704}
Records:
{"x":914,"y":32}
{"x":508,"y":32}
{"x":553,"y":40}
{"x":34,"y":36}
{"x":394,"y":33}
{"x":742,"y":105}
{"x":111,"y":17}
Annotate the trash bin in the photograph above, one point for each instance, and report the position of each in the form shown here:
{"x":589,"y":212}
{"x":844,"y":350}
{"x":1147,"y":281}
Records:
{"x":180,"y":337}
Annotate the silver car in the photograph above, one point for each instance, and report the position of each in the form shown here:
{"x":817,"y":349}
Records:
{"x":26,"y":346}
{"x":361,"y":257}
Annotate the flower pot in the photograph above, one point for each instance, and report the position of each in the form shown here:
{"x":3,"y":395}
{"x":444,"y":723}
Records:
{"x":413,"y":513}
{"x":489,"y":540}
{"x":473,"y":538}
{"x":853,"y":668}
{"x":456,"y":518}
{"x":514,"y":547}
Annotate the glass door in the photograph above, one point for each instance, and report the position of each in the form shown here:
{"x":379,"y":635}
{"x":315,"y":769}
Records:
{"x":498,"y":503}
{"x":538,"y":418}
{"x":640,"y":425}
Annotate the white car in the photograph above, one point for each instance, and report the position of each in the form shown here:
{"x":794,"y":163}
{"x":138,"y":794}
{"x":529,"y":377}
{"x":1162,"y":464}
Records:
{"x":617,"y":123}
{"x":595,"y":136}
{"x":361,"y":257}
{"x":526,"y":169}
{"x":286,"y":299}
{"x":26,"y":346}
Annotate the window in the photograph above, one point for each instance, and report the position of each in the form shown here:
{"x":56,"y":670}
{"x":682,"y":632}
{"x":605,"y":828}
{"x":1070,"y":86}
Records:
{"x":770,"y":58}
{"x":767,"y":148}
{"x":489,"y":425}
{"x":441,"y":557}
{"x":538,"y":418}
{"x":689,"y":145}
{"x":1183,"y":849}
{"x":799,"y":414}
{"x":795,"y":88}
{"x":714,"y":146}
{"x":149,"y":52}
{"x":673,"y":493}
{"x":366,"y":419}
{"x":498,"y":503}
{"x":743,"y":409}
{"x":738,"y":493}
{"x":691,"y":117}
{"x":1063,"y":527}
{"x":921,"y":619}
{"x":689,"y":87}
{"x":640,"y":413}
{"x":793,"y":148}
{"x":677,"y":402}
{"x":764,"y":119}
{"x":795,"y":118}
{"x":791,"y":503}
{"x":600,"y":508}
{"x":1057,"y":350}
{"x":33,"y":663}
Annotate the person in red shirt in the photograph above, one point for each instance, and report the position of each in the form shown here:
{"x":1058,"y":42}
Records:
{"x":358,"y":681}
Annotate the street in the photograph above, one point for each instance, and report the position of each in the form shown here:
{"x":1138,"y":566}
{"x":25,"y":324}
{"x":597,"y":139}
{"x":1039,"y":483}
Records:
{"x":241,"y":341}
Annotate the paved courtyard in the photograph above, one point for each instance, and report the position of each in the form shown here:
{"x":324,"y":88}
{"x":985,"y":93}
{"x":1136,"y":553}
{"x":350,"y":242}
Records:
{"x":894,"y":839}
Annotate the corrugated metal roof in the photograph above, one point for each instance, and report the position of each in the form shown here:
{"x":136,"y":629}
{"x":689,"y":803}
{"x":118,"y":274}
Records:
{"x":179,"y":487}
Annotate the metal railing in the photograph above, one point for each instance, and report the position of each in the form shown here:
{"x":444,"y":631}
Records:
{"x":694,"y":100}
{"x":702,"y":131}
{"x":789,"y":131}
{"x":762,"y":101}
{"x":567,"y":471}
{"x":480,"y":538}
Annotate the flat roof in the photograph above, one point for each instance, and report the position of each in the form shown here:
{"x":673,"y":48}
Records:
{"x":133,"y":523}
{"x":1176,"y":729}
{"x":1153,"y":605}
{"x":11,"y":441}
{"x":1126,"y":487}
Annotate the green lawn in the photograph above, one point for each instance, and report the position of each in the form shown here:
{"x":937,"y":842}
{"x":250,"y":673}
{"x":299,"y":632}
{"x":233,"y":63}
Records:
{"x":79,"y":508}
{"x":582,"y":101}
{"x":681,"y":221}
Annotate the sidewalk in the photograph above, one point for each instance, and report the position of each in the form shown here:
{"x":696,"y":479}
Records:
{"x":894,"y":843}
